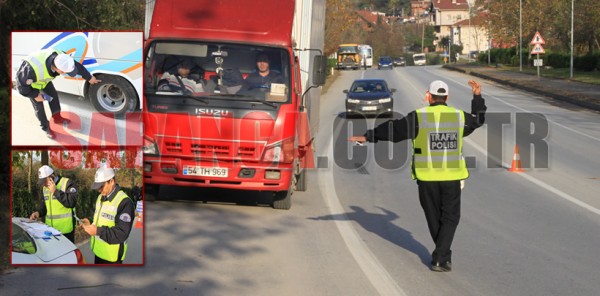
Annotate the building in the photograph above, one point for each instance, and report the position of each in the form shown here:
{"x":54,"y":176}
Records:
{"x":445,"y":16}
{"x":473,"y":35}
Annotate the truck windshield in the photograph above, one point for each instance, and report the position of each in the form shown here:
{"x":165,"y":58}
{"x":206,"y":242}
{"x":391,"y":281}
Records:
{"x":348,"y":49}
{"x":217,"y":71}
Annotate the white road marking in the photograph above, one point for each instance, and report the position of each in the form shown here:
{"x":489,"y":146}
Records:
{"x":538,"y":182}
{"x":381,"y":280}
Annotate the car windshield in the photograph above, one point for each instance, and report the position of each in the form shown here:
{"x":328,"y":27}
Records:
{"x":385,"y":60}
{"x":22,"y":241}
{"x":217,"y":71}
{"x":368,"y":87}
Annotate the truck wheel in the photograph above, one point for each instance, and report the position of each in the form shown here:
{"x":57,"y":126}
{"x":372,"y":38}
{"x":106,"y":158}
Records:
{"x":301,"y":181}
{"x":282,"y":200}
{"x":113,"y":95}
{"x":151,"y":192}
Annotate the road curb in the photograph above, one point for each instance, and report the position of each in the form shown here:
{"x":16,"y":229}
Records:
{"x":579,"y":102}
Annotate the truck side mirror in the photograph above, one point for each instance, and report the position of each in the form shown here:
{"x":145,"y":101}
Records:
{"x":319,"y":70}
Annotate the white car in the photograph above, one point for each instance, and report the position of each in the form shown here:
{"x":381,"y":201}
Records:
{"x":36,"y":243}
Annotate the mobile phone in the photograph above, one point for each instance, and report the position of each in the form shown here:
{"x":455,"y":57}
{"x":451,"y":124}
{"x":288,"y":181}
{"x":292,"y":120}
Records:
{"x":357,"y":143}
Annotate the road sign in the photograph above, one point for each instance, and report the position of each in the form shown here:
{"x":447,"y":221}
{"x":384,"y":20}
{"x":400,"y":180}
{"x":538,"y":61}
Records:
{"x":537,"y":49}
{"x":537,"y":39}
{"x":538,"y":62}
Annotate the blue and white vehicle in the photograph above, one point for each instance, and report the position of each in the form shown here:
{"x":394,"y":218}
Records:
{"x":115,"y":58}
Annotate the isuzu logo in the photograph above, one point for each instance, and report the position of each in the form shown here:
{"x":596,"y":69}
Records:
{"x":212,"y":112}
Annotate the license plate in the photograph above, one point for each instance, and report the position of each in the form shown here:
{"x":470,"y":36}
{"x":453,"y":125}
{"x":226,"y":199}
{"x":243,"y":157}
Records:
{"x":369,"y":108}
{"x":205,"y":172}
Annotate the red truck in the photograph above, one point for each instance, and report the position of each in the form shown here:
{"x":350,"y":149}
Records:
{"x":211,"y":128}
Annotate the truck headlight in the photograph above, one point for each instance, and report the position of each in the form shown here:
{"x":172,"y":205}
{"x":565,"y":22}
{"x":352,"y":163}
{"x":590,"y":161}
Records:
{"x":385,"y":100}
{"x":149,"y":147}
{"x":280,"y":152}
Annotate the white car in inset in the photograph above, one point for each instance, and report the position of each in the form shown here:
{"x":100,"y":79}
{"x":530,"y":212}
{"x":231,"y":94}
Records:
{"x":31,"y":243}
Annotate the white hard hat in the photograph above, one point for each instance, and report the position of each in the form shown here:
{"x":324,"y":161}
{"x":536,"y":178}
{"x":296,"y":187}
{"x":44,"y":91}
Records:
{"x":103,"y":174}
{"x":43,"y":173}
{"x":65,"y":63}
{"x":439,"y":88}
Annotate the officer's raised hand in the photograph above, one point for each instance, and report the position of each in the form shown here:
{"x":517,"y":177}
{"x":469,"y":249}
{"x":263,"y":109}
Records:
{"x":475,"y":87}
{"x":51,"y":185}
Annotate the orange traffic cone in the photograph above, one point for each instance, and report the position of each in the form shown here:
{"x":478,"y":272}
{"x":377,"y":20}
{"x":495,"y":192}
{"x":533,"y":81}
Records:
{"x":516,"y":161}
{"x":138,"y":222}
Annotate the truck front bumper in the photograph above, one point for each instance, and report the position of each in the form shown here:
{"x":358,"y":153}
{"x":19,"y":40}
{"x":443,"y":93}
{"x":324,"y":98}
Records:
{"x":247,"y":176}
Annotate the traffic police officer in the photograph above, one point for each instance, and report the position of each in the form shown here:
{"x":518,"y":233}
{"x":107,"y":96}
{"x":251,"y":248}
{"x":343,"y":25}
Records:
{"x":60,"y":198}
{"x":113,"y":219}
{"x":438,"y":165}
{"x":34,"y":80}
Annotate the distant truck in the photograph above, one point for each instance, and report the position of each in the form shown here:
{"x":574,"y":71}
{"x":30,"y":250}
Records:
{"x":225,"y":133}
{"x":348,"y":57}
{"x":115,"y":58}
{"x":419,"y":59}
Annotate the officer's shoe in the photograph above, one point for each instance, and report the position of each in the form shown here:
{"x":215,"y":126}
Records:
{"x":60,"y":120}
{"x":50,"y":134}
{"x":441,"y":267}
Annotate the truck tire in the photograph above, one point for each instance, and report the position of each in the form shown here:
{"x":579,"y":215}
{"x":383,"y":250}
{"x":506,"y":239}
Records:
{"x":113,"y":95}
{"x":301,"y":181}
{"x":282,"y":200}
{"x":151,"y":192}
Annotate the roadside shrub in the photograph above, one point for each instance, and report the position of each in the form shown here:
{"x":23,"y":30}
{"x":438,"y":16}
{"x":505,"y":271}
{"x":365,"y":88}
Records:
{"x":558,"y":60}
{"x":585,"y":63}
{"x":23,"y":203}
{"x":482,"y":57}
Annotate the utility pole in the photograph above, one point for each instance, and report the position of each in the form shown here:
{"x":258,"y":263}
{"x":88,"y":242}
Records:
{"x":423,"y":36}
{"x":572,"y":9}
{"x":521,"y":36}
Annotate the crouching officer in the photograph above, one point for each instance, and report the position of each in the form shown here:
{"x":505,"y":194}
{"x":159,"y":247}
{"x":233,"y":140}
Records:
{"x":60,"y":198}
{"x":34,"y":80}
{"x":113,"y":219}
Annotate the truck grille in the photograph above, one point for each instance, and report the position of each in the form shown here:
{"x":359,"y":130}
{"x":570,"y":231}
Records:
{"x":214,"y":149}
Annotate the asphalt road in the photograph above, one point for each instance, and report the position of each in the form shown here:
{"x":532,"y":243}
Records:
{"x":87,"y":127}
{"x":359,"y":229}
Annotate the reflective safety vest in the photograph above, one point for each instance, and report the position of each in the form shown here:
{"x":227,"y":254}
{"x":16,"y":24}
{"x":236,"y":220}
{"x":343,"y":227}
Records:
{"x":58,"y":216}
{"x":437,"y":149}
{"x":37,"y":60}
{"x":106,"y":215}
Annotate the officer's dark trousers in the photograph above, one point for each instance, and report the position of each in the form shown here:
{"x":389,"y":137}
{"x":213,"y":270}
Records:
{"x":98,"y":260}
{"x":440,"y":201}
{"x":70,"y":236}
{"x":38,"y":107}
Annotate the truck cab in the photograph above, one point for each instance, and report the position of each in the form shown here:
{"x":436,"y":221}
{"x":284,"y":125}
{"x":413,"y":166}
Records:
{"x":217,"y":129}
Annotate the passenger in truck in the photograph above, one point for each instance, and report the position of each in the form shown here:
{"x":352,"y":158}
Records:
{"x":264,"y":76}
{"x":183,"y":81}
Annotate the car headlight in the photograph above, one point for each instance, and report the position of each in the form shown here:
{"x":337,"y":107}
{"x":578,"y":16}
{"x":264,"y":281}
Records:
{"x":353,"y":101}
{"x":385,"y":100}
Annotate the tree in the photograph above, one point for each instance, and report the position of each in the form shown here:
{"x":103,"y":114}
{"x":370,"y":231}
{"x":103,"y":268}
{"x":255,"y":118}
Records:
{"x":341,"y":22}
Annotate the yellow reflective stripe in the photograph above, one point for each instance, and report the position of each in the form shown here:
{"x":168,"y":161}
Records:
{"x":443,"y":158}
{"x":40,"y":66}
{"x":59,"y":216}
